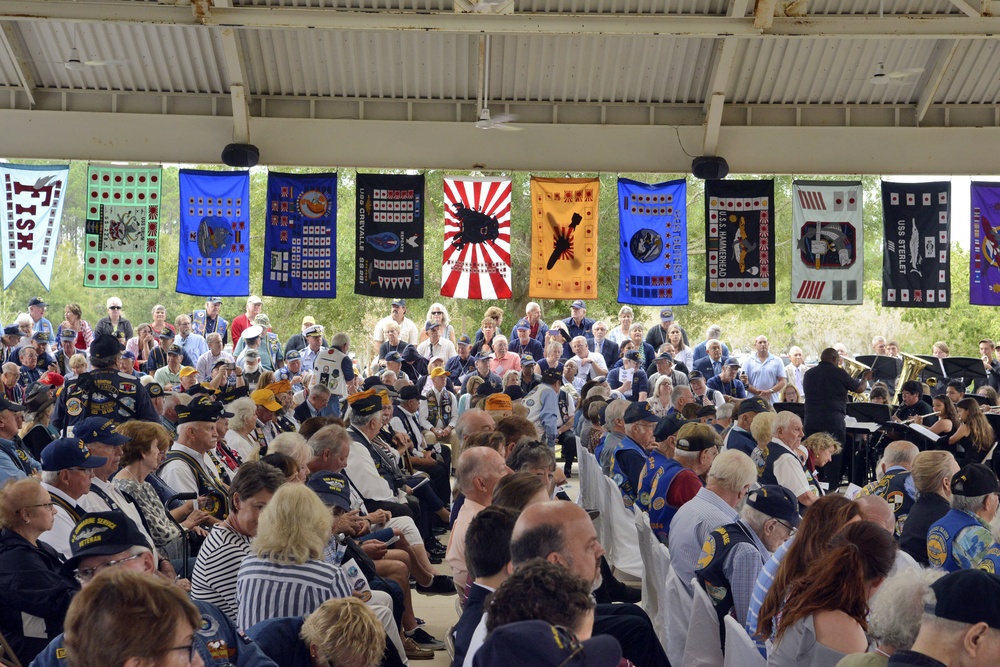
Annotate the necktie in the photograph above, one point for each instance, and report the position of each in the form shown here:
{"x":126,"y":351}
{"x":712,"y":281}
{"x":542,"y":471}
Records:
{"x":716,"y":367}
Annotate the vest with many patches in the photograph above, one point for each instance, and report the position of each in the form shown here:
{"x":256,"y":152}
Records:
{"x":892,"y":487}
{"x":654,"y":484}
{"x":620,"y":477}
{"x":439,"y":407}
{"x":711,"y":566}
{"x":208,"y":486}
{"x":201,"y":326}
{"x":941,"y":538}
{"x":765,"y":459}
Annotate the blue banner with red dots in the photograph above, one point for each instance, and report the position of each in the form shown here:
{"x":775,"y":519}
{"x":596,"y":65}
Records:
{"x":652,"y":222}
{"x":300,"y":236}
{"x":214,"y":233}
{"x":121,"y":248}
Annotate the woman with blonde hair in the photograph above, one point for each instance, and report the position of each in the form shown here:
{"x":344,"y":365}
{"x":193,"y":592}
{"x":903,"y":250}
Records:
{"x":438,"y":314}
{"x":285,"y":574}
{"x":621,"y":332}
{"x":142,"y":344}
{"x":471,"y":387}
{"x":821,"y":448}
{"x":790,"y":394}
{"x":73,"y":320}
{"x":931,"y":472}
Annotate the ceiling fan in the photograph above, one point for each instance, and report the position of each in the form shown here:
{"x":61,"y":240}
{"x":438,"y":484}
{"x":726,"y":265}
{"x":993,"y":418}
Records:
{"x":900,"y":77}
{"x":485,"y":6}
{"x":75,"y":64}
{"x":499,"y":122}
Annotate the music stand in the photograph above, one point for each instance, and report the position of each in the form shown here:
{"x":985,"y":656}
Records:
{"x":934,"y":368}
{"x":884,"y":369}
{"x":798,"y":408}
{"x":869,"y":412}
{"x":977,"y":398}
{"x":964,"y":368}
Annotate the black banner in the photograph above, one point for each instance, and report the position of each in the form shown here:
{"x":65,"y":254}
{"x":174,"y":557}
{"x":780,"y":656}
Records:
{"x":739,"y":234}
{"x":390,"y":236}
{"x":915,"y":268}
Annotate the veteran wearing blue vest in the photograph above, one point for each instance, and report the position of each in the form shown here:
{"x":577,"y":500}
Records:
{"x":960,"y":539}
{"x":630,"y":458}
{"x":896,"y":486}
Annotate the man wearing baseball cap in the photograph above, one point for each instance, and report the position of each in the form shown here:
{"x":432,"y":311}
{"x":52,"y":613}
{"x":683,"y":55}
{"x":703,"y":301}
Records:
{"x":543,"y":406}
{"x":15,"y":460}
{"x":539,"y":644}
{"x":739,"y":436}
{"x":84,"y":396}
{"x":578,"y":324}
{"x":67,"y":348}
{"x":170,"y":374}
{"x":407,"y":329}
{"x":735,"y":553}
{"x":440,"y":409}
{"x":628,"y":460}
{"x":961,"y":538}
{"x":204,"y":322}
{"x":104,"y":540}
{"x":960,"y":624}
{"x":36,"y":309}
{"x":245,"y":319}
{"x":482,"y":361}
{"x":726,"y":382}
{"x":67,"y":468}
{"x":188,"y":468}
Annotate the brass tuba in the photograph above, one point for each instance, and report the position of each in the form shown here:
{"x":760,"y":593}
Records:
{"x":856,"y":369}
{"x":912,"y":367}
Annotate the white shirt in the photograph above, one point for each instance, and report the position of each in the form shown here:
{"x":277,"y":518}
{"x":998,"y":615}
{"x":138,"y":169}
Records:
{"x":418,"y":424}
{"x":63,"y":524}
{"x":364,"y":475}
{"x":93,"y":502}
{"x":444,"y":348}
{"x":407,"y":330}
{"x":476,"y":642}
{"x":245,"y":448}
{"x":178,"y":476}
{"x":788,"y":471}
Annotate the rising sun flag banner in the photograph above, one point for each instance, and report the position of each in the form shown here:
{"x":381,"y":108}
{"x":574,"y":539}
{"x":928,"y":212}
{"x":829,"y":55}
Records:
{"x":29,"y":221}
{"x":476,"y":238}
{"x":984,"y":271}
{"x":915,"y":266}
{"x":739,"y":233}
{"x":300,"y":236}
{"x":215,"y":233}
{"x":652,"y":222}
{"x":390,"y":236}
{"x":828,"y":255}
{"x":564,"y":238}
{"x":123,"y":227}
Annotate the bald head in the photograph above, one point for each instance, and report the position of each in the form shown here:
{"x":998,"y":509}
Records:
{"x":560,"y":532}
{"x":876,"y":510}
{"x":478,"y":471}
{"x":900,"y":453}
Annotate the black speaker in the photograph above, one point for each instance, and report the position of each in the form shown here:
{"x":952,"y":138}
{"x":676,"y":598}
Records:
{"x":709,"y":168}
{"x":240,"y":155}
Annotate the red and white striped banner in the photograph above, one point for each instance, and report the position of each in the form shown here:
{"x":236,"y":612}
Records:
{"x":476,"y":238}
{"x":811,"y":290}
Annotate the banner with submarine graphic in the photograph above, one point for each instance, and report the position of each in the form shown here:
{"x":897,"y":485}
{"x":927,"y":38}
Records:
{"x":215,"y":233}
{"x":300,"y":236}
{"x":390,"y":236}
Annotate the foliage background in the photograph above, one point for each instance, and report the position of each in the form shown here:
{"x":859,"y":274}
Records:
{"x":785,"y":324}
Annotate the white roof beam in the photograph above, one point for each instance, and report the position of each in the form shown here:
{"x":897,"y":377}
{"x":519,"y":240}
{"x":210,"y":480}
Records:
{"x":836,"y":26}
{"x":12,"y":41}
{"x":723,"y":62}
{"x":942,"y":59}
{"x":967,"y":8}
{"x":236,"y":67}
{"x":763,"y":14}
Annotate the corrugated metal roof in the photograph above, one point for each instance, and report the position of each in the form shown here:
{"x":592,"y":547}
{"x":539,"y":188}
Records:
{"x":973,"y":76}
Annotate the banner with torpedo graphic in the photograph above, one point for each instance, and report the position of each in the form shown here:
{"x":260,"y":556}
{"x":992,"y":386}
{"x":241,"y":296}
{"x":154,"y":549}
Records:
{"x":739,"y":236}
{"x":390,"y":236}
{"x":984,"y":272}
{"x":915,"y":264}
{"x":564,"y":238}
{"x":828,"y":254}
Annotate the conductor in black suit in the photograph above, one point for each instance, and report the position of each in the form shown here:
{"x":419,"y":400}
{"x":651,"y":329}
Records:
{"x":711,"y":365}
{"x":319,"y":397}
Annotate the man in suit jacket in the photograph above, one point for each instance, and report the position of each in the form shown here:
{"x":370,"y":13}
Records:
{"x":487,"y":553}
{"x":796,"y":368}
{"x":714,"y":331}
{"x":319,"y":397}
{"x":711,"y":364}
{"x":602,"y":345}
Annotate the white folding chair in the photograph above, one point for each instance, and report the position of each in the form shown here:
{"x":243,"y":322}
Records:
{"x":704,"y":642}
{"x":677,"y":604}
{"x":650,"y":597}
{"x":585,"y":497}
{"x":623,"y":548}
{"x":740,"y":648}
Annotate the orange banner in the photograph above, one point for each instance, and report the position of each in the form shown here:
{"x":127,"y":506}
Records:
{"x":564,"y":238}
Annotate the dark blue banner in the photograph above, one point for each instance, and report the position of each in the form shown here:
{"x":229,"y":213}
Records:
{"x":300,"y":236}
{"x":390,"y":236}
{"x":917,"y":253}
{"x":653,"y":236}
{"x":215,"y":233}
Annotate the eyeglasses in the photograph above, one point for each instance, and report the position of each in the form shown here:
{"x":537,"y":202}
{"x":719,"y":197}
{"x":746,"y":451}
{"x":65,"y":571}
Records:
{"x":80,"y":469}
{"x":86,"y":574}
{"x":49,"y":505}
{"x":791,"y":529}
{"x":191,"y":649}
{"x":436,"y":312}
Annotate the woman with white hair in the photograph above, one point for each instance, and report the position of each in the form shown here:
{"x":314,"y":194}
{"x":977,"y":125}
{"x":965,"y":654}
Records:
{"x":241,"y":426}
{"x":160,"y":323}
{"x":621,"y":332}
{"x":438,"y":314}
{"x":114,"y":322}
{"x":293,"y":445}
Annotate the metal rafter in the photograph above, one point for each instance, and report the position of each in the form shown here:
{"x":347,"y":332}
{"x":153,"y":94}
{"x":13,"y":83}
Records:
{"x":13,"y":43}
{"x":943,"y":56}
{"x":236,"y":67}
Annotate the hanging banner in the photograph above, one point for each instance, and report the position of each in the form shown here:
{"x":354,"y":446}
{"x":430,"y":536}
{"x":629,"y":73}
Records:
{"x":123,"y":227}
{"x":390,"y":236}
{"x":739,"y":229}
{"x":476,"y":238}
{"x":215,"y":233}
{"x":564,"y":238}
{"x":828,"y":253}
{"x":29,"y":223}
{"x":653,"y":233}
{"x":300,"y":237}
{"x":917,"y":245}
{"x":984,"y":270}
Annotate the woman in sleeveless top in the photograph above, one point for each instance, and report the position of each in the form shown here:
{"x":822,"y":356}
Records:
{"x":825,"y":615}
{"x":974,"y":433}
{"x":947,"y":422}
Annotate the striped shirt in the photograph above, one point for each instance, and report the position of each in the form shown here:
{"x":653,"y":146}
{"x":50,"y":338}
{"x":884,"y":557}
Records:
{"x":690,"y":528}
{"x":218,"y":564}
{"x":265,"y":589}
{"x":760,"y":589}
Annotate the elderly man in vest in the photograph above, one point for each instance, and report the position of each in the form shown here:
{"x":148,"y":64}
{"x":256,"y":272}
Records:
{"x":778,"y":463}
{"x":628,"y":461}
{"x":439,"y":409}
{"x":896,"y":486}
{"x":67,"y":468}
{"x":434,"y":459}
{"x":735,"y":553}
{"x":962,"y":537}
{"x":189,"y":467}
{"x":205,"y":322}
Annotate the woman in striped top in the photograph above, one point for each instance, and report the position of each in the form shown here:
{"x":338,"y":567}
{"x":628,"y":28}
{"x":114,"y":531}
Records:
{"x":285,"y":574}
